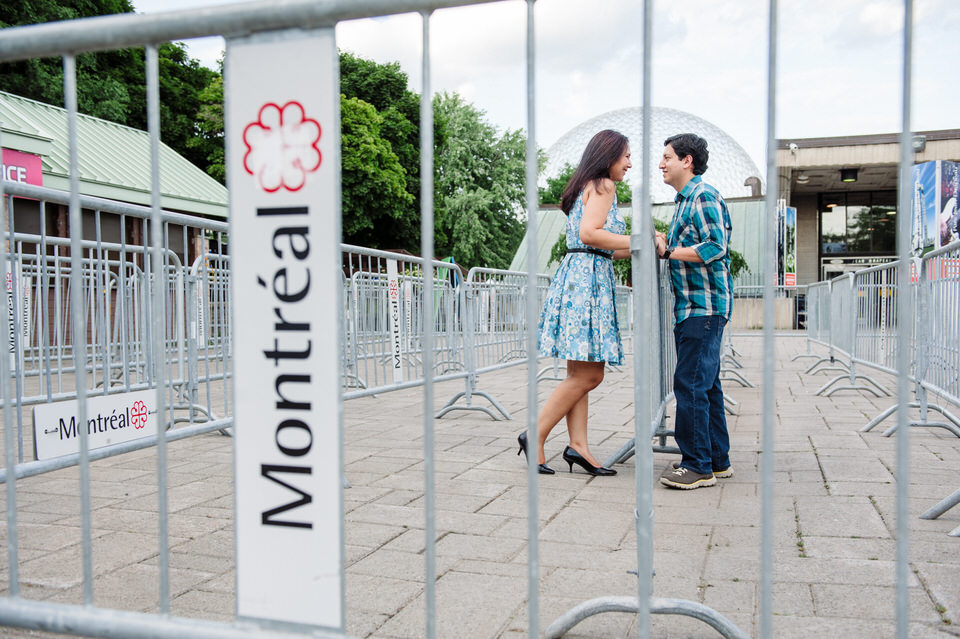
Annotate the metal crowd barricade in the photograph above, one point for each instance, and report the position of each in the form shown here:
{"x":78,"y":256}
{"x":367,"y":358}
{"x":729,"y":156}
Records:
{"x":209,"y":343}
{"x":940,"y":331}
{"x":657,"y":378}
{"x":494,"y":330}
{"x":940,"y":368}
{"x":857,"y":299}
{"x":624,"y":302}
{"x":384,"y":323}
{"x":930,"y":359}
{"x":115,"y":278}
{"x":855,"y":316}
{"x":747,"y":315}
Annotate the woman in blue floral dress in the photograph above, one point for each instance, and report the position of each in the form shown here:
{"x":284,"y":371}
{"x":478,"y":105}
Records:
{"x":579,"y":318}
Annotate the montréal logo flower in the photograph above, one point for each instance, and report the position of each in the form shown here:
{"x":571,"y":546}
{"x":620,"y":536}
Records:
{"x":282,"y":147}
{"x":138,"y":414}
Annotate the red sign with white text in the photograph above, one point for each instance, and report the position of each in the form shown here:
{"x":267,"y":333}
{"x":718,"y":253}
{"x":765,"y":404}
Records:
{"x":22,"y":167}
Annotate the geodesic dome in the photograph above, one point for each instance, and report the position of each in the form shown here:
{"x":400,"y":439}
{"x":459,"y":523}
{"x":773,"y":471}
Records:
{"x":727,"y":168}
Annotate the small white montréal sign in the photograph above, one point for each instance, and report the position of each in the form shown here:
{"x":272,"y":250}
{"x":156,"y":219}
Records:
{"x":111,"y":419}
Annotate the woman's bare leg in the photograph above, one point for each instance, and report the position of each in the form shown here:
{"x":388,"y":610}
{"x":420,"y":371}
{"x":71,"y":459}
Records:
{"x":577,"y":429}
{"x":570,"y":396}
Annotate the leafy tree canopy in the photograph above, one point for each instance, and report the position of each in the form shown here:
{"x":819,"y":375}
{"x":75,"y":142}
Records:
{"x":383,"y":87}
{"x":111,"y":84}
{"x":376,"y":204}
{"x":553,"y":192}
{"x":479,"y":184}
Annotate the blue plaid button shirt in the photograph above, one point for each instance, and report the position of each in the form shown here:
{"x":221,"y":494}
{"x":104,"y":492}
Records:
{"x":701,"y":221}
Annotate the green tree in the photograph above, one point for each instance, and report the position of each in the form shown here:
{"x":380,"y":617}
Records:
{"x":384,"y":88}
{"x":110,"y":84}
{"x":553,"y":192}
{"x":209,"y":141}
{"x":182,"y":80}
{"x":479,"y":185}
{"x":376,"y":204}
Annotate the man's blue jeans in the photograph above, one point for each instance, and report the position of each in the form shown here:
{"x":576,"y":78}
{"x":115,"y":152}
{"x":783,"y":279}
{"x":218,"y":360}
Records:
{"x":700,"y":429}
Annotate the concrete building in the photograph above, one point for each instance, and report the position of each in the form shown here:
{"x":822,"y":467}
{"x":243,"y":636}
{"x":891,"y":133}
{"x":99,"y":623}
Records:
{"x":845,"y":193}
{"x":114,"y":164}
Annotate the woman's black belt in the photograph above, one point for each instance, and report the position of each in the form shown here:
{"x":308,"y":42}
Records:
{"x":590,"y":250}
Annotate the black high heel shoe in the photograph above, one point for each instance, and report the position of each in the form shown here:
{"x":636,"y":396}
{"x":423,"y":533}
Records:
{"x":543,"y":469}
{"x":573,"y":457}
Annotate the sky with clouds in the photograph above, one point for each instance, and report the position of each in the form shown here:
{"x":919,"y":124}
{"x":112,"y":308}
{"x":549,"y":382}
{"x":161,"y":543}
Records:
{"x":839,"y":70}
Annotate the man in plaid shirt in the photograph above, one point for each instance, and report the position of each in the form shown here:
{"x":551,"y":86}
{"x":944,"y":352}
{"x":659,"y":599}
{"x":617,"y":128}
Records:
{"x":696,"y":252}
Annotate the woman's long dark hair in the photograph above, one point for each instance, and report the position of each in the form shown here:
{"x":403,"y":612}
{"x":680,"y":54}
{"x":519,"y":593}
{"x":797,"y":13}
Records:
{"x":603,"y":150}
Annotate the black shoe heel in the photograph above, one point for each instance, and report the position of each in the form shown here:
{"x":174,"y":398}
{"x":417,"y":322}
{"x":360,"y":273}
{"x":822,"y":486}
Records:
{"x":573,"y":457}
{"x":543,"y":469}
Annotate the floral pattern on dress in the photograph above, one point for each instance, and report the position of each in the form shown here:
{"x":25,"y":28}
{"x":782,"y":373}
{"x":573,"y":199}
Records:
{"x":579,"y":316}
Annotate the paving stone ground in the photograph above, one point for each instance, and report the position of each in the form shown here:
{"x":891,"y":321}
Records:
{"x":834,"y":520}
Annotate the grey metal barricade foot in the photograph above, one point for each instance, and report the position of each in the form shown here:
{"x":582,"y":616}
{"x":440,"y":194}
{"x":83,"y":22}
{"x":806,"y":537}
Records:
{"x":953,"y":428}
{"x":658,"y":606}
{"x":731,"y":360}
{"x":835,"y":365}
{"x":626,"y":452}
{"x":736,"y":377}
{"x":882,"y":416}
{"x":629,"y":449}
{"x":730,"y":405}
{"x":853,"y":386}
{"x":450,"y":406}
{"x":942,"y":507}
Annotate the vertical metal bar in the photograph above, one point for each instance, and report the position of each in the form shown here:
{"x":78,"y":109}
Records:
{"x":338,"y":241}
{"x":102,"y":321}
{"x":43,"y":342}
{"x":59,"y":333}
{"x":13,"y":562}
{"x":122,"y":304}
{"x":426,"y":252}
{"x":644,"y":285}
{"x":159,"y":318}
{"x":533,"y":311}
{"x":903,"y":342}
{"x":145,"y":325}
{"x":769,"y":408}
{"x":77,"y":325}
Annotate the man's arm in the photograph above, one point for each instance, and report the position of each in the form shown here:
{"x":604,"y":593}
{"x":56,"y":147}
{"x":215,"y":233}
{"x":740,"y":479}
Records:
{"x":708,"y":215}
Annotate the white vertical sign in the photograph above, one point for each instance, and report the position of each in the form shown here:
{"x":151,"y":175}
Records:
{"x":283,"y":153}
{"x":17,"y":320}
{"x":396,"y":343}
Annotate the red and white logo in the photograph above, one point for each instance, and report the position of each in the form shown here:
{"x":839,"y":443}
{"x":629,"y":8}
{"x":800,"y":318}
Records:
{"x":282,"y":147}
{"x":138,"y":414}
